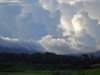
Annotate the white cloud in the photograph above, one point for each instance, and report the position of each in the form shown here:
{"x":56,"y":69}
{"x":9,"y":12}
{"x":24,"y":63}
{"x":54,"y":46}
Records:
{"x":74,"y":1}
{"x":83,"y":43}
{"x":92,"y":27}
{"x":71,"y":25}
{"x":10,"y":1}
{"x":92,"y":8}
{"x":73,"y":21}
{"x":57,"y":45}
{"x":67,"y":13}
{"x":68,"y":1}
{"x":50,"y":5}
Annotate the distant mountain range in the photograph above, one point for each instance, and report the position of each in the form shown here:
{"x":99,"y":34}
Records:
{"x":24,"y":50}
{"x":97,"y":53}
{"x":16,"y":50}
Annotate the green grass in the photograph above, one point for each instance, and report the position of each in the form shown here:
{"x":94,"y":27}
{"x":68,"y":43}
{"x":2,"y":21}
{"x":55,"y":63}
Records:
{"x":87,"y":72}
{"x":23,"y":73}
{"x":93,"y":71}
{"x":31,"y":69}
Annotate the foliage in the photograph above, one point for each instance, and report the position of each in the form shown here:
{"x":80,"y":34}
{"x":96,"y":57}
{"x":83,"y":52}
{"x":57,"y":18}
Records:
{"x":62,"y":62}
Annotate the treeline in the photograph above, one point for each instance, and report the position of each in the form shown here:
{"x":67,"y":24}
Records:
{"x":83,"y":61}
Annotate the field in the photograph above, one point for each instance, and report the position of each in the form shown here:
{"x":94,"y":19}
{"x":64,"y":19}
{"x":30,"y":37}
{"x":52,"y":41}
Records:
{"x":29,"y":69}
{"x":24,"y":73}
{"x":86,"y":72}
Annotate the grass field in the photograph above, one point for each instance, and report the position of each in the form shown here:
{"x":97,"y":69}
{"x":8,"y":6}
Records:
{"x":24,"y":73}
{"x":86,"y":72}
{"x":31,"y":69}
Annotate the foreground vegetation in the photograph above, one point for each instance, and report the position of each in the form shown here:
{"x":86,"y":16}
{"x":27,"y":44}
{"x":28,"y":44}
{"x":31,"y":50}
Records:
{"x":48,"y":64}
{"x":84,"y":61}
{"x":67,"y":72}
{"x":33,"y":69}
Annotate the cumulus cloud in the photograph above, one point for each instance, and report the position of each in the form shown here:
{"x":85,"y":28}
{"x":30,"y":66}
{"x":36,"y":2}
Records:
{"x":90,"y":25}
{"x":74,"y":21}
{"x":67,"y":16}
{"x":60,"y":26}
{"x":47,"y":5}
{"x":92,"y":8}
{"x":83,"y":43}
{"x":57,"y":45}
{"x":13,"y":24}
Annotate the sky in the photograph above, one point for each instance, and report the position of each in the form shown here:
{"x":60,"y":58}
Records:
{"x":59,"y":26}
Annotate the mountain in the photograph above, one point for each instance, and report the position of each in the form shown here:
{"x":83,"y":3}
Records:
{"x":97,"y":53}
{"x":16,"y":50}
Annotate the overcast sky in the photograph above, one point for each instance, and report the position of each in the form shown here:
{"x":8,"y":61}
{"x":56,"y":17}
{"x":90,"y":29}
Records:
{"x":60,"y":26}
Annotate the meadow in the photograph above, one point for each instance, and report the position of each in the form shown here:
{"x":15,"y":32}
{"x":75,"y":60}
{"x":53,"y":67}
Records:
{"x":30,"y":69}
{"x":86,"y":72}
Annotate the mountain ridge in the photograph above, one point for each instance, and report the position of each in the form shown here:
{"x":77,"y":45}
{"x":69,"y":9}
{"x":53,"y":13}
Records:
{"x":17,"y":50}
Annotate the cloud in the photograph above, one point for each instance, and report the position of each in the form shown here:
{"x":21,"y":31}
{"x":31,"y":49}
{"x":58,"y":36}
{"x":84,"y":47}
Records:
{"x":90,"y":25}
{"x":8,"y":15}
{"x":47,"y":5}
{"x":67,"y":16}
{"x":60,"y":26}
{"x":21,"y":43}
{"x":92,"y":7}
{"x":57,"y":45}
{"x":44,"y":17}
{"x":10,"y":1}
{"x":83,"y":43}
{"x":73,"y":24}
{"x":14,"y":25}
